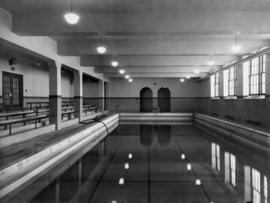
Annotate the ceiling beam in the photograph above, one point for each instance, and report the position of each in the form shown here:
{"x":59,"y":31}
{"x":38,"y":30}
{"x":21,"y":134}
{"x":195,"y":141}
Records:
{"x":156,"y":69}
{"x":228,"y":22}
{"x":155,"y":75}
{"x":156,"y":47}
{"x":156,"y":60}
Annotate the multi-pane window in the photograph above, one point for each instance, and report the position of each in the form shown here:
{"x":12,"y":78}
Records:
{"x":229,"y":79}
{"x":256,"y":186}
{"x":254,"y":76}
{"x":230,"y":168}
{"x":216,"y":156}
{"x":214,"y":85}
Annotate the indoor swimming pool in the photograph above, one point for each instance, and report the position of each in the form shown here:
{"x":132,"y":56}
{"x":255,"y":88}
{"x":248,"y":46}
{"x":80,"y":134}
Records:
{"x":157,"y":164}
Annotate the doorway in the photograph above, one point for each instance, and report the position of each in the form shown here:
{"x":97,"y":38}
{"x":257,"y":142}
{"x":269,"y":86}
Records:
{"x":146,"y":100}
{"x":12,"y":90}
{"x":164,"y":99}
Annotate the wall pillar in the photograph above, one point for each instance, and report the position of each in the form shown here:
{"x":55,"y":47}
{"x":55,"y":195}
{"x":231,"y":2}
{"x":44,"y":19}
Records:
{"x":221,"y":84}
{"x":239,"y":80}
{"x":267,"y":75}
{"x":78,"y":99}
{"x":55,"y":93}
{"x":101,"y":95}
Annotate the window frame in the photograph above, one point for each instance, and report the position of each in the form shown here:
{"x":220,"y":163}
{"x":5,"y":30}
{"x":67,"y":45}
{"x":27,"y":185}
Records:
{"x":256,"y":76}
{"x":214,"y":86}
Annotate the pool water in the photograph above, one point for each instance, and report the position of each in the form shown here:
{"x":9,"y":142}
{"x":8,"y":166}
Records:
{"x":169,"y":164}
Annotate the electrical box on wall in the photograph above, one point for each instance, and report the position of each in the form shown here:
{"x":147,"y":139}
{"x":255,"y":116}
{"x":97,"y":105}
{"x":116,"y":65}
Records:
{"x":12,"y":62}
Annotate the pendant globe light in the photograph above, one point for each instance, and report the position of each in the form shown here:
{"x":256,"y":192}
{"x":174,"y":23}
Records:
{"x":71,"y":17}
{"x":236,"y":47}
{"x":101,"y":49}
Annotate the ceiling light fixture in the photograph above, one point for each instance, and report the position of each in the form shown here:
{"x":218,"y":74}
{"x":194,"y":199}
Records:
{"x":114,"y":63}
{"x":122,"y":71}
{"x":188,"y":76}
{"x":196,"y":71}
{"x":211,"y":62}
{"x":236,"y":47}
{"x":71,"y":17}
{"x":182,"y":80}
{"x":130,"y":80}
{"x":127,"y":76}
{"x":101,"y":49}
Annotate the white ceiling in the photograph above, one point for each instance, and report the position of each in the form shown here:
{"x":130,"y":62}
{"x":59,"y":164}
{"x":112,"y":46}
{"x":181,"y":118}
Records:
{"x":149,"y":38}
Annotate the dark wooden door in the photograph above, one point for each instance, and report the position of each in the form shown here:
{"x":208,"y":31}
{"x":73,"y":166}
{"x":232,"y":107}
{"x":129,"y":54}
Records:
{"x":164,"y":100}
{"x":146,"y":100}
{"x":12,"y":90}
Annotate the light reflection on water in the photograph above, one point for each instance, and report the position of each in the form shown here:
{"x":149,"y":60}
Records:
{"x":228,"y":171}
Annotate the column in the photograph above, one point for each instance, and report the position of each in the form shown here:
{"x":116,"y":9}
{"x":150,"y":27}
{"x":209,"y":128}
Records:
{"x":267,"y":75}
{"x":239,"y":80}
{"x":101,"y":95}
{"x":55,"y":93}
{"x":221,"y":84}
{"x":78,"y":99}
{"x":155,"y":98}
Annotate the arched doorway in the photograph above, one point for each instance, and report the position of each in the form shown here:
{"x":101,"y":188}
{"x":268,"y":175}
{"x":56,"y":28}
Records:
{"x":164,"y":99}
{"x":146,"y":100}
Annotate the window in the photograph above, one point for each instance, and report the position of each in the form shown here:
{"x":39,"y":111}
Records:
{"x":230,"y":168}
{"x":229,"y":80}
{"x":256,"y":186}
{"x":254,"y":76}
{"x":216,"y":156}
{"x":214,"y":85}
{"x":265,"y":191}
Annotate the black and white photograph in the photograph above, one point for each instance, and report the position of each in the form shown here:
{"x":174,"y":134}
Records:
{"x":135,"y":101}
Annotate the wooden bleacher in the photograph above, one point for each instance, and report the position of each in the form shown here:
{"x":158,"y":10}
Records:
{"x":22,"y":120}
{"x":38,"y":113}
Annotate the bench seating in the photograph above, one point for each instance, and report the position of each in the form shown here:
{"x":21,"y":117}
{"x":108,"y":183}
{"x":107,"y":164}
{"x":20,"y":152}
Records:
{"x":67,"y":113}
{"x":38,"y":105}
{"x":22,"y":120}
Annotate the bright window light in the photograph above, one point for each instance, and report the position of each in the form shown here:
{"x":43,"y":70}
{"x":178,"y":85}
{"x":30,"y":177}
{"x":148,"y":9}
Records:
{"x":214,"y":85}
{"x":225,"y":82}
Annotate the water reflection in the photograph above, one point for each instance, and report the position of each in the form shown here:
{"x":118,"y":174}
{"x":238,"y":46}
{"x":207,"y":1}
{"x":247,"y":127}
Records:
{"x":149,"y":132}
{"x":146,"y":134}
{"x":242,"y":173}
{"x":164,"y":135}
{"x":70,"y":182}
{"x":228,"y":172}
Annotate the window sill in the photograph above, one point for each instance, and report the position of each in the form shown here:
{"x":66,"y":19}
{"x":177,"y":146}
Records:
{"x":255,"y":97}
{"x":215,"y":98}
{"x":230,"y":97}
